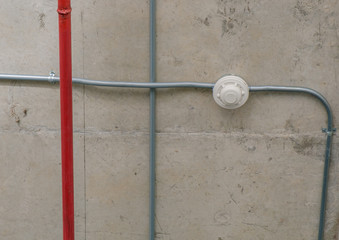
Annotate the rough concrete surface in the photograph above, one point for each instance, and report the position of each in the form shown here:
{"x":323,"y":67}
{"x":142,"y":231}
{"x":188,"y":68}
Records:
{"x":252,"y":173}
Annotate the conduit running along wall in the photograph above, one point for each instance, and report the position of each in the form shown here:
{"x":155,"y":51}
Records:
{"x":329,"y":130}
{"x":152,"y":124}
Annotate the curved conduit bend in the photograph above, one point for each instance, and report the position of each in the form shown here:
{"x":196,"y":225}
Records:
{"x":330,"y":130}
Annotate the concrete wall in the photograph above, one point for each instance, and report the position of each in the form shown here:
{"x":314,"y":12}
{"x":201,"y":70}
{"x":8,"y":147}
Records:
{"x":252,"y":173}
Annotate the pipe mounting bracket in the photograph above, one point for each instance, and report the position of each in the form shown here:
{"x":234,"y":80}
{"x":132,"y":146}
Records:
{"x":329,"y":132}
{"x":51,"y":78}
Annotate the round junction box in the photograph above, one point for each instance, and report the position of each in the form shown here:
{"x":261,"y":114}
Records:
{"x":230,"y":92}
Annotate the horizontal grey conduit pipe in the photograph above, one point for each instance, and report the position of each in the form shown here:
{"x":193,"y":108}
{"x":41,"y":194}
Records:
{"x":54,"y":79}
{"x":329,"y":130}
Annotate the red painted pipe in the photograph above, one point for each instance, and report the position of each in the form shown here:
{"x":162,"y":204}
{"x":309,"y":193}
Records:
{"x":65,"y":51}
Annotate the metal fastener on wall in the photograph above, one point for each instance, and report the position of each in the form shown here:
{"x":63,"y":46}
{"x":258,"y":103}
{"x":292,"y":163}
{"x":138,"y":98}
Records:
{"x":52,"y":78}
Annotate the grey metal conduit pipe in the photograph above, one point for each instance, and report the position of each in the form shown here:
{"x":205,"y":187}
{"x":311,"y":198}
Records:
{"x":329,"y":130}
{"x":54,"y":79}
{"x":152,"y":117}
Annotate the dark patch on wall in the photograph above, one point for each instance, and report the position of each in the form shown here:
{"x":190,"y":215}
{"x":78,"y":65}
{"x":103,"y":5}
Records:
{"x":289,"y":126}
{"x":42,"y":17}
{"x":204,"y":21}
{"x":300,"y":9}
{"x":334,"y":229}
{"x":306,"y":145}
{"x":13,"y":114}
{"x":233,"y":15}
{"x":227,"y":26}
{"x":249,"y":145}
{"x":303,"y":9}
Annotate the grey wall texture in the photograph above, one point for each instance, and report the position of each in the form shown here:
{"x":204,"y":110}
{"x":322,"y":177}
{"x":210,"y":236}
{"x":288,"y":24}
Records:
{"x":252,"y":173}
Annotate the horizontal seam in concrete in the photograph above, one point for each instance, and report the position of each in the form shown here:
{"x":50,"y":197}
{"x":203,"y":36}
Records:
{"x":42,"y":130}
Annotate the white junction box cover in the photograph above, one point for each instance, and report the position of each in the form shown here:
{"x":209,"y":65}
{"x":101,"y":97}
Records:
{"x":230,"y":92}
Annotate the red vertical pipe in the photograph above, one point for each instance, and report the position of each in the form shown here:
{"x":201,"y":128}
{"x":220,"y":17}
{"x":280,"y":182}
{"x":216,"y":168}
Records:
{"x":65,"y":51}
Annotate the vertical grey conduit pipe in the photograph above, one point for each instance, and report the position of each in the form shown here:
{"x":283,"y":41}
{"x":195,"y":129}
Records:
{"x":329,"y":131}
{"x":152,"y":73}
